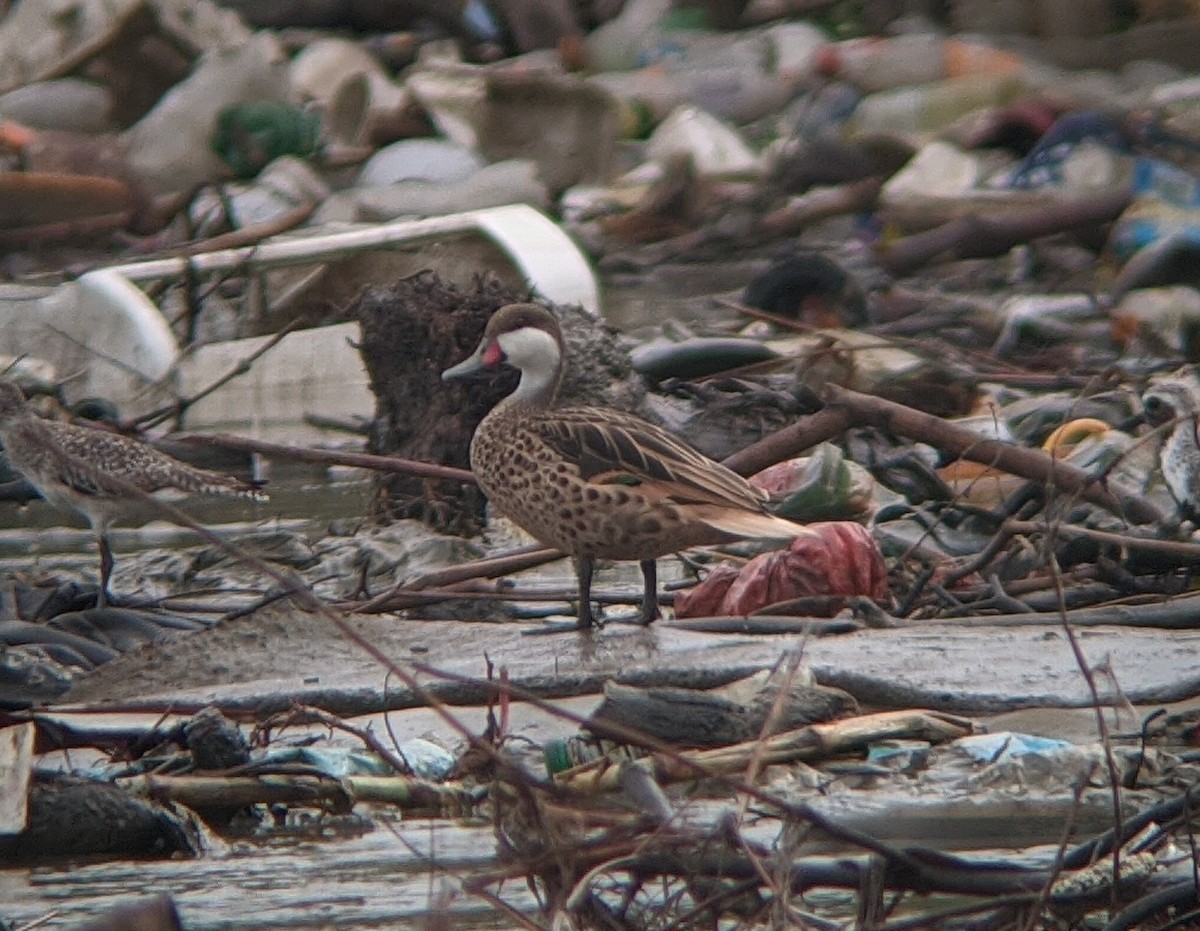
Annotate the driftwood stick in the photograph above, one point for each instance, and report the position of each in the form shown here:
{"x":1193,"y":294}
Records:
{"x":844,"y":408}
{"x":934,"y":872}
{"x":487,"y":568}
{"x":203,"y":792}
{"x":978,"y":235}
{"x":792,"y":440}
{"x":54,"y":731}
{"x":414,"y":592}
{"x":1032,"y":464}
{"x":709,"y":718}
{"x":1182,"y":613}
{"x":820,"y":204}
{"x":240,"y":238}
{"x":815,"y":741}
{"x":18,"y":236}
{"x":242,"y":367}
{"x":764,"y":625}
{"x":1180,"y":552}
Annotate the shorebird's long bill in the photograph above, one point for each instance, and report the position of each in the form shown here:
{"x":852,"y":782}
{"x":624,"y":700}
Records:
{"x":468,"y":366}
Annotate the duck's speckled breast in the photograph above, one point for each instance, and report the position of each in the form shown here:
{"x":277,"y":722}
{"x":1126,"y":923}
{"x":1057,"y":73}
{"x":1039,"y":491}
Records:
{"x":530,"y":483}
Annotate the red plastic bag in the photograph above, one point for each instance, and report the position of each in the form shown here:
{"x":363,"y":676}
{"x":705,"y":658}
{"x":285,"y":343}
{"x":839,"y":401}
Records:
{"x":841,"y":559}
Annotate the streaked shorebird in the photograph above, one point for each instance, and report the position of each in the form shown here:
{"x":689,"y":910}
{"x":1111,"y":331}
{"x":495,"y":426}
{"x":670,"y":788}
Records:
{"x":99,"y":474}
{"x":1179,"y":456}
{"x":597,"y":482}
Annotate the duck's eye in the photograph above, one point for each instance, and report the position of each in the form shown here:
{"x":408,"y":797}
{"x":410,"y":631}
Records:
{"x":1152,"y":405}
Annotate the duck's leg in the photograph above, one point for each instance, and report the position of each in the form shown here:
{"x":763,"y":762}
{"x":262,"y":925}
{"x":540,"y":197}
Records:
{"x":106,"y":568}
{"x":583,"y":570}
{"x":650,"y":612}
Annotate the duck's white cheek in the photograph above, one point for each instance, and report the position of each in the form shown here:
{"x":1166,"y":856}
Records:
{"x":528,"y":345}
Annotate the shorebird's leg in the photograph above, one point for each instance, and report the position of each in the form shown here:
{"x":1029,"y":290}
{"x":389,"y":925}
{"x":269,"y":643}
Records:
{"x":106,"y":568}
{"x":583,"y":569}
{"x":650,"y":612}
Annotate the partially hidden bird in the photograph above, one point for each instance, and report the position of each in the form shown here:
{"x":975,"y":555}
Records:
{"x":1175,"y":402}
{"x":596,"y":482}
{"x":97,"y":473}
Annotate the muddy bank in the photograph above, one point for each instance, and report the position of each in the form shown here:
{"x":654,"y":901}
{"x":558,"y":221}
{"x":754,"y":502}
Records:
{"x":268,"y":661}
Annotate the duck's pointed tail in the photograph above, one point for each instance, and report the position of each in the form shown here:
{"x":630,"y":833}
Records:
{"x":749,"y":524}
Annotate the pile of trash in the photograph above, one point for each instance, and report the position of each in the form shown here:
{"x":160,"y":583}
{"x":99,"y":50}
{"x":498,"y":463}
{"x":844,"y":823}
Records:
{"x":930,"y":283}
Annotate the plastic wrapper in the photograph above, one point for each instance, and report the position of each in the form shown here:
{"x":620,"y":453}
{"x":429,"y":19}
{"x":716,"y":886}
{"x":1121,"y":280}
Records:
{"x":1166,"y":203}
{"x":823,"y":486}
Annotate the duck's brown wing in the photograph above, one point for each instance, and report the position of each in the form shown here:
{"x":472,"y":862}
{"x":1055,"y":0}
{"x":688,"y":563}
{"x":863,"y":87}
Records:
{"x":610,"y":446}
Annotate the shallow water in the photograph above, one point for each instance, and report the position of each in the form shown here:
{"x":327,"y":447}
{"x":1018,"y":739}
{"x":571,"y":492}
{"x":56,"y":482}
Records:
{"x":384,"y":878}
{"x":299,"y":500}
{"x":39,"y":541}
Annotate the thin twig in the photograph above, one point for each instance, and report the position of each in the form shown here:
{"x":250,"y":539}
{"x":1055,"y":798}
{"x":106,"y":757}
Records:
{"x":330,"y":457}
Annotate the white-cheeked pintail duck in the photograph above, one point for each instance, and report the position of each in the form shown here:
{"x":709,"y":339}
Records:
{"x":597,"y":483}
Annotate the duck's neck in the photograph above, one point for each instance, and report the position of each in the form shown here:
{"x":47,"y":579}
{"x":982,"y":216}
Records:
{"x":535,"y":391}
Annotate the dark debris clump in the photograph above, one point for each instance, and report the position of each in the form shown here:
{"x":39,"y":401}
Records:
{"x":411,"y":332}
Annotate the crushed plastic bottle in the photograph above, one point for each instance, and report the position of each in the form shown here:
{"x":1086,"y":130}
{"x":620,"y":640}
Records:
{"x":618,"y":44}
{"x":169,"y":146}
{"x":877,"y":64}
{"x":65,"y":103}
{"x":930,"y":107}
